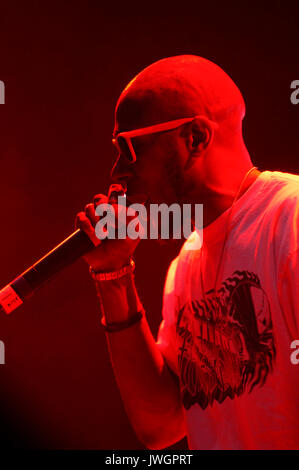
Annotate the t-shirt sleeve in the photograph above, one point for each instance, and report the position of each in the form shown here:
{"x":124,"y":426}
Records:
{"x":287,"y":252}
{"x":166,"y":339}
{"x":288,"y":288}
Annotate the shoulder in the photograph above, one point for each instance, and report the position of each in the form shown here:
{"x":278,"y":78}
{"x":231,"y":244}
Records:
{"x":284,"y":185}
{"x":280,"y":195}
{"x":282,"y":214}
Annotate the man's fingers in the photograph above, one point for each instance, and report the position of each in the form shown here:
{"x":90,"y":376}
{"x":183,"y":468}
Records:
{"x":99,"y":199}
{"x":90,"y":212}
{"x":83,"y":222}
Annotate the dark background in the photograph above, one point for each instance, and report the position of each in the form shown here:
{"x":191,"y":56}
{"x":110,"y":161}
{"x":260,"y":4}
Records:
{"x":64,"y":66}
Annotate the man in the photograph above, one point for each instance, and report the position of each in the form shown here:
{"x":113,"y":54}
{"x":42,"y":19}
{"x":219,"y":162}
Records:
{"x":230,"y":310}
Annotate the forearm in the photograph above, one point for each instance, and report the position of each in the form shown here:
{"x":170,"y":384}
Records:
{"x":148,"y":389}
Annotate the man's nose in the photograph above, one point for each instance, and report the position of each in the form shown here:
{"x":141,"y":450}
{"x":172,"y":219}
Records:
{"x":121,"y":170}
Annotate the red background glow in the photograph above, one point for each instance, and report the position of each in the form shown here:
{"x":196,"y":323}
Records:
{"x":64,"y":66}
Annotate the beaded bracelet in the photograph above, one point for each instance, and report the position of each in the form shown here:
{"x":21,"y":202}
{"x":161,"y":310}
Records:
{"x":122,"y":325}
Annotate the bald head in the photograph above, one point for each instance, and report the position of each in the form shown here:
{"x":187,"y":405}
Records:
{"x":178,"y":87}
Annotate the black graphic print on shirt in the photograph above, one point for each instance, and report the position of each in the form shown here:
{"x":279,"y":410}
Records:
{"x":225,"y":341}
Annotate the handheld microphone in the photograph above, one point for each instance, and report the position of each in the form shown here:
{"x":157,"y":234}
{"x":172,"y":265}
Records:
{"x":64,"y":254}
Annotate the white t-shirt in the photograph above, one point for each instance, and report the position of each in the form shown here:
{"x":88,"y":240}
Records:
{"x":231,"y":347}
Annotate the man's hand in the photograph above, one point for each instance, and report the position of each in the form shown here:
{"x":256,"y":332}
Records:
{"x":108,"y":255}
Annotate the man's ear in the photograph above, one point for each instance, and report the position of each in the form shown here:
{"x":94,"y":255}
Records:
{"x":200,"y":135}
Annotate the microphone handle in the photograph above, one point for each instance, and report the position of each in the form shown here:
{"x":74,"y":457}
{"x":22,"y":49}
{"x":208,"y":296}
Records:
{"x":64,"y":254}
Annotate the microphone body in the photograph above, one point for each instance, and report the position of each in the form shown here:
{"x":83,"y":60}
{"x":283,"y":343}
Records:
{"x":64,"y":254}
